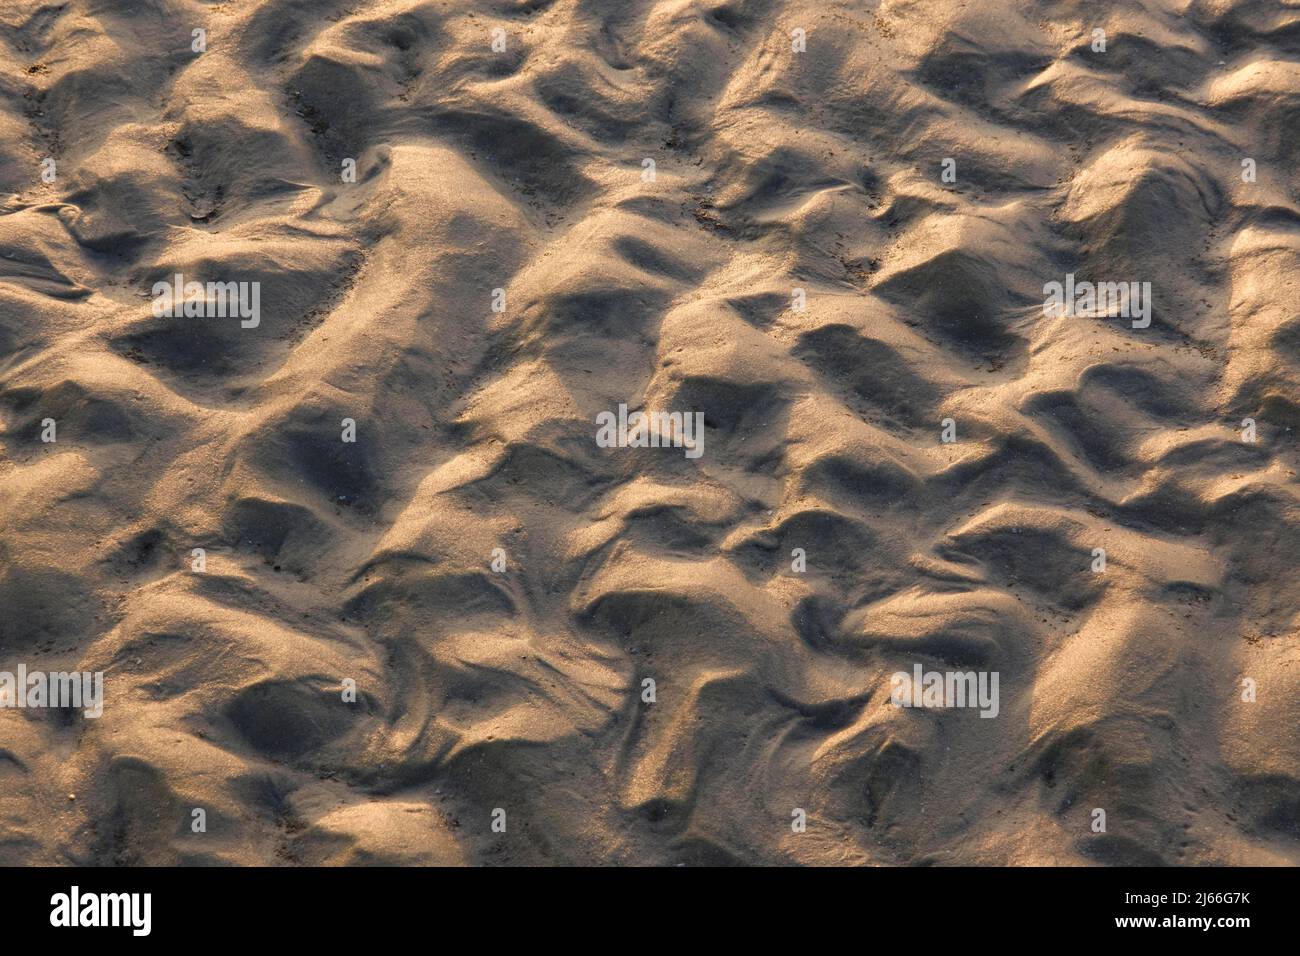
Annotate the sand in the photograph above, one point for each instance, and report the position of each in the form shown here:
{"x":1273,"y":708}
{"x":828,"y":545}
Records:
{"x":431,"y":644}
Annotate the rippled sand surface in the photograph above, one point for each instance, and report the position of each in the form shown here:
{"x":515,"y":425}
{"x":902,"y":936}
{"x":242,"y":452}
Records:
{"x":509,"y":686}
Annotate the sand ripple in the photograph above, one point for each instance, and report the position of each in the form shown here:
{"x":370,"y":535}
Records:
{"x":521,"y":687}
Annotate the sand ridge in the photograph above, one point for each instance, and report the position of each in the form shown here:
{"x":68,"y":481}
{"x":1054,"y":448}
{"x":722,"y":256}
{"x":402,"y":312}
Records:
{"x":505,"y":267}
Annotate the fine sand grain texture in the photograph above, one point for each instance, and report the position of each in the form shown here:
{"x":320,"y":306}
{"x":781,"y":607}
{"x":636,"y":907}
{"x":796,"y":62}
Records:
{"x":434,"y":620}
